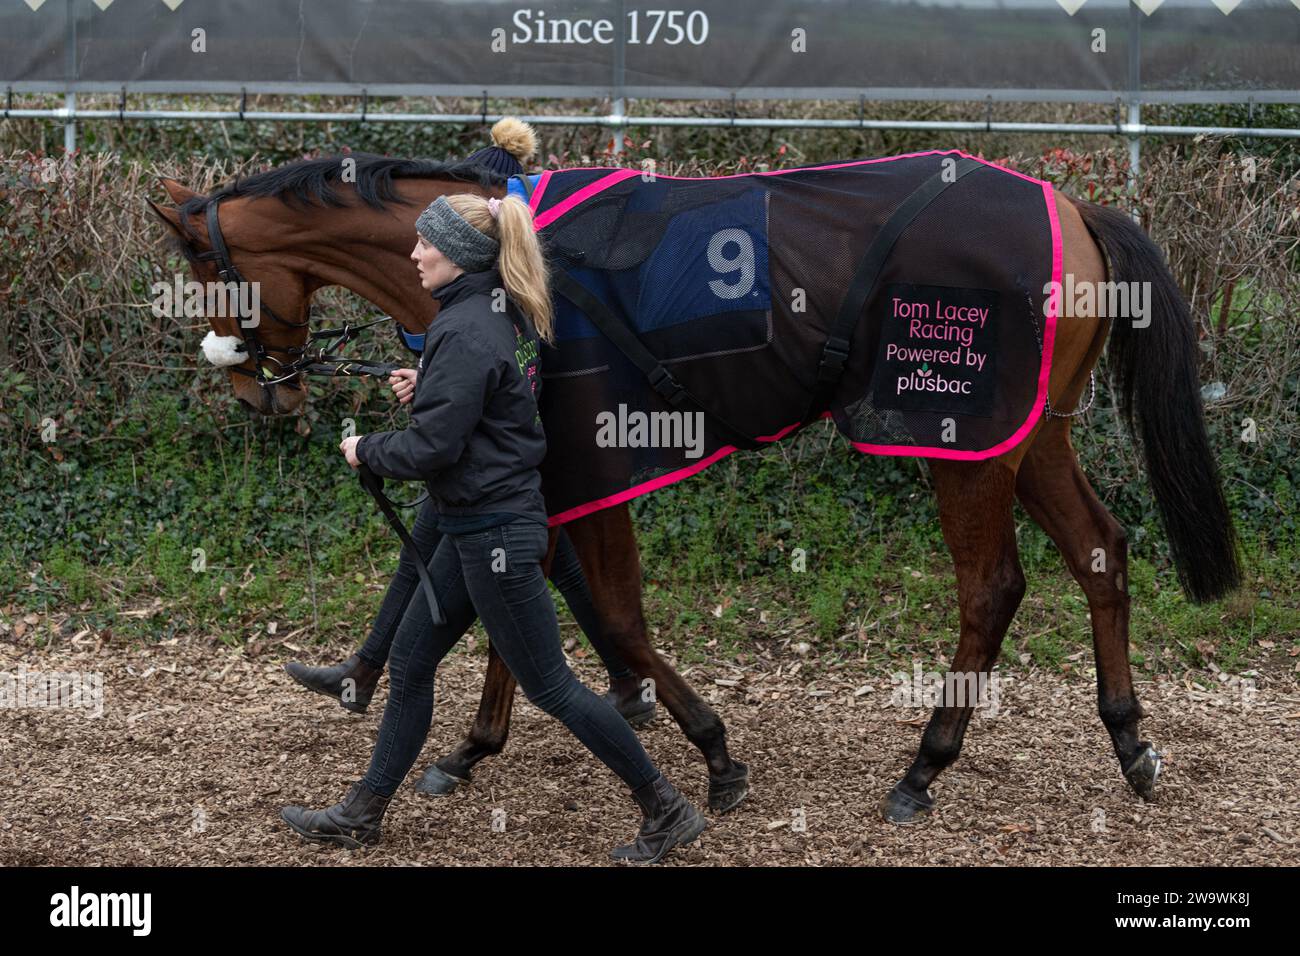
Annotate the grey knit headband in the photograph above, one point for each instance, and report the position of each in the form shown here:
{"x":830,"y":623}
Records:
{"x":455,"y":238}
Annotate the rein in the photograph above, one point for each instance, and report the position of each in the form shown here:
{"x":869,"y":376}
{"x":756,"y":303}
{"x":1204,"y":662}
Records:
{"x":304,"y":359}
{"x":375,"y":485}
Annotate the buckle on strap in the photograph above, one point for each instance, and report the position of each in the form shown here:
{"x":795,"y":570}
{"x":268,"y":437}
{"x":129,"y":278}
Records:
{"x":834,"y":355}
{"x":662,"y":381}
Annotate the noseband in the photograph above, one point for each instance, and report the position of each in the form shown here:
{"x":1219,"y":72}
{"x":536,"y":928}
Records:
{"x":304,"y":359}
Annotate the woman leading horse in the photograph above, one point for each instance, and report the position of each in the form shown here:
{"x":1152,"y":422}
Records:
{"x":294,"y":249}
{"x":476,"y":440}
{"x":353,"y":681}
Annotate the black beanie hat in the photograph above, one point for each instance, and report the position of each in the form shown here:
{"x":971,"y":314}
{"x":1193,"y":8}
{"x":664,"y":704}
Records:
{"x":496,"y":159}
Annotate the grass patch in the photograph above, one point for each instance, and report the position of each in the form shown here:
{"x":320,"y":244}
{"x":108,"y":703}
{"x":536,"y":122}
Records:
{"x":803,"y":543}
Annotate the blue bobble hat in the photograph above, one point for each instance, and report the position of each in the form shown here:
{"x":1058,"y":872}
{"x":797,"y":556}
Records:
{"x":514,"y":143}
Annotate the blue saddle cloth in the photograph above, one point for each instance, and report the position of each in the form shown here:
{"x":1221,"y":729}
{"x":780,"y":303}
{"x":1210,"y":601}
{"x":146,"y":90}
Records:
{"x":689,"y":275}
{"x":515,"y":188}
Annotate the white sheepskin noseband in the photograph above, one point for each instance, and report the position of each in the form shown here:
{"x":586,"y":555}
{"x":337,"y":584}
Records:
{"x":222,"y":350}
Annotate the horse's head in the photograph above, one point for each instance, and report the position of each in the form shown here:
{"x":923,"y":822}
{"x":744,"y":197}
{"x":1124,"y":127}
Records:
{"x":259,"y":314}
{"x":291,"y":230}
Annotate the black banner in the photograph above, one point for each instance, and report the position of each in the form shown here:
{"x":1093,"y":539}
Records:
{"x":945,"y":49}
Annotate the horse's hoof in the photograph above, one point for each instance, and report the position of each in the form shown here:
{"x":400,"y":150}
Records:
{"x":640,"y":719}
{"x":727,"y":793}
{"x":1144,"y":771}
{"x":903,"y":808}
{"x":633,"y":709}
{"x":437,"y":782}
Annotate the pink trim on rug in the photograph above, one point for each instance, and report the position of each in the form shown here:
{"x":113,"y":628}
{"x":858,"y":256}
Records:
{"x":916,"y":451}
{"x":536,"y":197}
{"x":654,"y":484}
{"x":620,"y":173}
{"x":583,"y":194}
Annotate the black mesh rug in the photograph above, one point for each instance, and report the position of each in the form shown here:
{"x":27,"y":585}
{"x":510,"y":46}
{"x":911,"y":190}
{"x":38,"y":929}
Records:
{"x":733,"y":285}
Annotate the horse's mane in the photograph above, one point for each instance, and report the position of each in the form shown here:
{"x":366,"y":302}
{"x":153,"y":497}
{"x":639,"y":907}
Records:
{"x":311,"y":182}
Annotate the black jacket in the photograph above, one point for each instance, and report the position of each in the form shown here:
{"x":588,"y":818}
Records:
{"x":475,"y":436}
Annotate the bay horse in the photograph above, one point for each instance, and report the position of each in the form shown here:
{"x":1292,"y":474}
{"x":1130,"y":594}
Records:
{"x":299,"y":227}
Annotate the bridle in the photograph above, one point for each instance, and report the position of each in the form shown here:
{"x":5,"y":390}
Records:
{"x":304,"y":359}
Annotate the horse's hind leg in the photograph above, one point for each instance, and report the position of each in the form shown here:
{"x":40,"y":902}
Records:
{"x":606,"y":546}
{"x":975,"y":502}
{"x":1055,"y":492}
{"x":607,"y":550}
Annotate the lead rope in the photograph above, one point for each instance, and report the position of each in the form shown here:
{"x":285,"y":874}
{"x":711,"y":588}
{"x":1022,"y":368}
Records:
{"x":375,"y":485}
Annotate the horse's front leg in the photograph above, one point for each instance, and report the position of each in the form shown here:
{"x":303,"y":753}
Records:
{"x":486,"y":737}
{"x":606,"y":546}
{"x":491,"y":725}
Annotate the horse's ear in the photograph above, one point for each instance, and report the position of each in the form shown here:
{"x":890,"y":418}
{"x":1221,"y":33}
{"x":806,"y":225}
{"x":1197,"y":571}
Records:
{"x":169,"y":217}
{"x":176,"y":191}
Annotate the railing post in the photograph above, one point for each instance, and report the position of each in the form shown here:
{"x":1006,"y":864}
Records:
{"x":70,"y":64}
{"x":620,"y":51}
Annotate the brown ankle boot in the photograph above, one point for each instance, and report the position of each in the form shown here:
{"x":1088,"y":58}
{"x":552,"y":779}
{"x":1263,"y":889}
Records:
{"x":351,"y":683}
{"x":352,"y":823}
{"x":669,"y":821}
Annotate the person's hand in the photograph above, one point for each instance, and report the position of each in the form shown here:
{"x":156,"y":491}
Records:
{"x":403,"y":382}
{"x":349,"y":448}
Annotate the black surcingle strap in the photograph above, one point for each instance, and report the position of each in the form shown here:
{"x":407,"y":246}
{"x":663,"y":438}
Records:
{"x":838,"y":344}
{"x":627,"y":342}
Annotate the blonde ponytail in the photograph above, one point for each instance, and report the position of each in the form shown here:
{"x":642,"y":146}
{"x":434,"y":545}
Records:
{"x":523,"y":268}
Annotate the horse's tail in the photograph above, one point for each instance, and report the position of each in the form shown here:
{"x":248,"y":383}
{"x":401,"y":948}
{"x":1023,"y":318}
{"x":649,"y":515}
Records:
{"x":1159,"y":397}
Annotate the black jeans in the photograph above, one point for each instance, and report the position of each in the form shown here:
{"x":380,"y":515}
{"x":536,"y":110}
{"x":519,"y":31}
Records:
{"x":494,"y":574}
{"x":566,"y":574}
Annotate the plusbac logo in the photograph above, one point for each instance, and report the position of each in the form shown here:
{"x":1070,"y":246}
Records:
{"x":926,"y":379}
